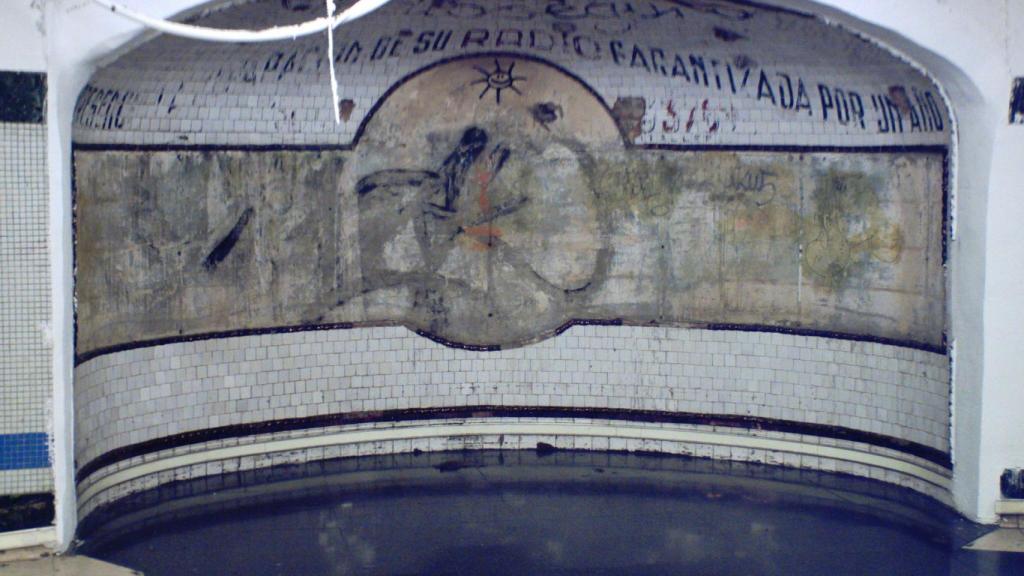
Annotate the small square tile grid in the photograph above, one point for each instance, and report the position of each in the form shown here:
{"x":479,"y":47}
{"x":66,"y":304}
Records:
{"x":26,"y":481}
{"x":25,"y":375}
{"x":784,"y":81}
{"x":137,"y":395}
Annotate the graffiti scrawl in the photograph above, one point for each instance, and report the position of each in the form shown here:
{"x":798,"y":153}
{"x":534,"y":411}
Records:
{"x":498,"y":79}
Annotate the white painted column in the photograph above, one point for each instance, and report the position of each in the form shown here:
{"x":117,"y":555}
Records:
{"x":58,"y":150}
{"x":62,"y":284}
{"x":74,"y":37}
{"x":1002,"y":421}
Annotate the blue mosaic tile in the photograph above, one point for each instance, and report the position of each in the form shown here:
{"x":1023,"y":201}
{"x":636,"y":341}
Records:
{"x":20,"y":451}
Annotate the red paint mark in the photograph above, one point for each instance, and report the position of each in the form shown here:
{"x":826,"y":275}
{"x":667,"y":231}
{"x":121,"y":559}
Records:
{"x":899,"y":97}
{"x":714,"y":127}
{"x":665,"y":126}
{"x":483,"y":231}
{"x":704,"y":105}
{"x":483,"y":234}
{"x":689,"y":123}
{"x":484,"y":178}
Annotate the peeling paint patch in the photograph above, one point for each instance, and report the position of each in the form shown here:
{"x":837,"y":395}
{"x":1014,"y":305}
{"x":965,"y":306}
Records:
{"x":629,"y":116}
{"x":345,"y":108}
{"x":899,"y":97}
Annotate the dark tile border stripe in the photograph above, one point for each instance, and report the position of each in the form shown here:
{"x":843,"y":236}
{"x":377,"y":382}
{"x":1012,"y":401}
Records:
{"x":22,"y":97}
{"x":92,"y":354}
{"x":419,"y":414}
{"x":793,"y":148}
{"x":25,"y":511}
{"x":722,"y":327}
{"x":923,"y":346}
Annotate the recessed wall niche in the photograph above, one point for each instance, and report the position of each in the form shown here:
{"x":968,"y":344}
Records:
{"x":741,"y":207}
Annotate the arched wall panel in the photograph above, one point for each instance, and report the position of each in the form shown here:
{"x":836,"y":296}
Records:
{"x":682,"y":72}
{"x":744,"y":206}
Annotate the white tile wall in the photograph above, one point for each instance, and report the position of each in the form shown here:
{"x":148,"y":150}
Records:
{"x":174,"y":91}
{"x":26,"y":481}
{"x":25,"y":354}
{"x":133,"y":396}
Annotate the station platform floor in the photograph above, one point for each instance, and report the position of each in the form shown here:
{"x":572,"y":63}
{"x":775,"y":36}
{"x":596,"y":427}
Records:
{"x":537,"y":512}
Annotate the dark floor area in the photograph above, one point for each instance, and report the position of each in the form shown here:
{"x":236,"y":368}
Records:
{"x":494,"y":513}
{"x":25,"y":511}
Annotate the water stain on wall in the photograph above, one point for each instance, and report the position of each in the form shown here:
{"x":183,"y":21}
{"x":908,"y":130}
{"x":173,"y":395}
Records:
{"x":639,"y":185}
{"x":492,"y":222}
{"x":848,"y":230}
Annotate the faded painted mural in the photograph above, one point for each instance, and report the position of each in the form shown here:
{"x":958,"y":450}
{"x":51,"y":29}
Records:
{"x":490,"y":200}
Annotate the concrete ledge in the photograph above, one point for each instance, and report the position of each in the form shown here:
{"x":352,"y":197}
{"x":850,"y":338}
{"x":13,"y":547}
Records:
{"x":1010,"y":507}
{"x":65,"y":566}
{"x":1001,"y":540}
{"x":21,"y":539}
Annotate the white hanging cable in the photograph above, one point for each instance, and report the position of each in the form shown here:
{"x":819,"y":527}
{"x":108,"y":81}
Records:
{"x":357,"y":10}
{"x":328,"y":23}
{"x":330,"y":59}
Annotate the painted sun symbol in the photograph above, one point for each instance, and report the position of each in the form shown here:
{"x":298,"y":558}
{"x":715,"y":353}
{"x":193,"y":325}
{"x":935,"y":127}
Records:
{"x":498,"y":79}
